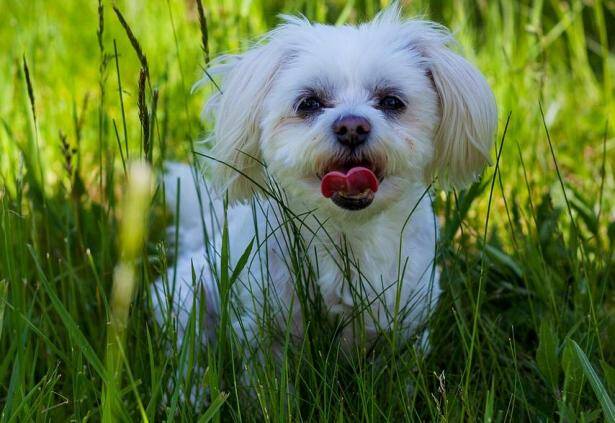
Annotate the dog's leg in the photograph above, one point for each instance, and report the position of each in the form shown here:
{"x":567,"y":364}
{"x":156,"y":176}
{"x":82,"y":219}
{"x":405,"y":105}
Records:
{"x":187,"y":296}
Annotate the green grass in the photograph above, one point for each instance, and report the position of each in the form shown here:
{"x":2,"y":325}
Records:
{"x":526,"y":326}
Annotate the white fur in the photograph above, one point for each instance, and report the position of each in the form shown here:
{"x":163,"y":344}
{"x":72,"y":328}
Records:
{"x":446,"y":132}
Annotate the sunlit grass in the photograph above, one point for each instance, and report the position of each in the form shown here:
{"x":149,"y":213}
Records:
{"x":525,"y":329}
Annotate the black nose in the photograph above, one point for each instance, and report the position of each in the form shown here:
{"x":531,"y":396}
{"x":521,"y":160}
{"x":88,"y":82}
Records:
{"x":351,"y":130}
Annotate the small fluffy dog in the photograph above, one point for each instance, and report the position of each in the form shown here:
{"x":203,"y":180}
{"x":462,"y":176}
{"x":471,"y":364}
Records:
{"x":353,"y":124}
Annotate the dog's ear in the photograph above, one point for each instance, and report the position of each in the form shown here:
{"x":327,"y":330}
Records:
{"x":246,"y":81}
{"x":468,"y":114}
{"x":468,"y":118}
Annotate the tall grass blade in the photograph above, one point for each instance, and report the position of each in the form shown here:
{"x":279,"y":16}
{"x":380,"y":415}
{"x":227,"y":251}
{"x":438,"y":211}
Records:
{"x":133,"y":233}
{"x":606,"y":401}
{"x":4,"y":289}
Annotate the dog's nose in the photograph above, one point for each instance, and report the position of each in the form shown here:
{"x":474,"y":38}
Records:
{"x":351,"y":130}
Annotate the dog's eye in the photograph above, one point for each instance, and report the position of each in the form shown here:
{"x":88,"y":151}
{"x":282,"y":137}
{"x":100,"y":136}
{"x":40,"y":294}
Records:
{"x":309,"y":105}
{"x":390,"y":102}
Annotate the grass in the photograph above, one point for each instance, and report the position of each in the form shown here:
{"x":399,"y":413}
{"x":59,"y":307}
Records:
{"x":526,"y":326}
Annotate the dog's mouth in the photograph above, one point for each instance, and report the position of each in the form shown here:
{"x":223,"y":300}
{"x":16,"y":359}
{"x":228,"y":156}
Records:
{"x":351,"y":184}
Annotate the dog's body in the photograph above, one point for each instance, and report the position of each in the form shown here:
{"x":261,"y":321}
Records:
{"x":399,"y":241}
{"x":353,"y":123}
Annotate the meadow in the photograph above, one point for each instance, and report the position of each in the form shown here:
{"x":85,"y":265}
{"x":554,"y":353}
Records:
{"x":525,"y":330}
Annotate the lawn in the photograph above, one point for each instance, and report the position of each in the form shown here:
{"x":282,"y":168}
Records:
{"x":525,"y":330}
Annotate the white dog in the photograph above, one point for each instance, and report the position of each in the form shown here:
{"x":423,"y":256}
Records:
{"x":353,"y":123}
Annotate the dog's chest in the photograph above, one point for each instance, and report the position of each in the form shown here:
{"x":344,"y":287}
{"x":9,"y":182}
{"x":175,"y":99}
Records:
{"x":355,"y":270}
{"x":360,"y":273}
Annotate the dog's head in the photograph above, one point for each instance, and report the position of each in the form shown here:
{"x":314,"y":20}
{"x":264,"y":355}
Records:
{"x":386,"y":101}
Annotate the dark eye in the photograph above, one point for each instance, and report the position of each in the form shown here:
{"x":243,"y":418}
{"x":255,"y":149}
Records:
{"x":391,"y":103}
{"x":309,"y":105}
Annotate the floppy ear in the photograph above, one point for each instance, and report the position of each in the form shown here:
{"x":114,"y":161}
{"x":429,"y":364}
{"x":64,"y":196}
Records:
{"x":468,"y":119}
{"x":246,"y":81}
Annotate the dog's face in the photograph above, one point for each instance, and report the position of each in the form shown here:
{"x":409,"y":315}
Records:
{"x":387,"y":96}
{"x":349,"y":98}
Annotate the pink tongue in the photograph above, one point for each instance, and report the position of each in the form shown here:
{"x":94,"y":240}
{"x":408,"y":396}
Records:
{"x":356,"y":181}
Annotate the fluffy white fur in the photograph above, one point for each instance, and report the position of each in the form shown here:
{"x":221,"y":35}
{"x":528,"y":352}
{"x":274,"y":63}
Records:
{"x":445,"y":132}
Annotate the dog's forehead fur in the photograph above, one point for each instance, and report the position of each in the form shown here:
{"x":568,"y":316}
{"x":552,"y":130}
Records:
{"x":382,"y":53}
